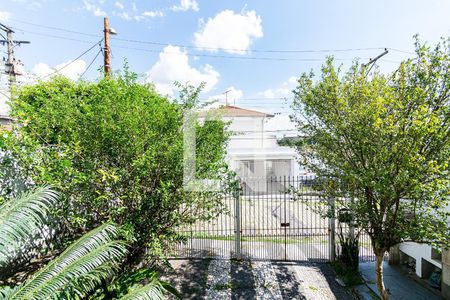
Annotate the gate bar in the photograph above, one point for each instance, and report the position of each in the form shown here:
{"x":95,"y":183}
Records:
{"x":332,"y":230}
{"x":237,"y":223}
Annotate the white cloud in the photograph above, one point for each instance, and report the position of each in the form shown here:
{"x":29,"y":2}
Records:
{"x":119,"y":5}
{"x":125,"y":16}
{"x":186,"y":5}
{"x":233,"y":32}
{"x":173,"y":65}
{"x":232,"y":96}
{"x":4,"y":15}
{"x":153,"y":13}
{"x":72,"y":71}
{"x":285,"y":90}
{"x":96,"y":10}
{"x":132,"y":15}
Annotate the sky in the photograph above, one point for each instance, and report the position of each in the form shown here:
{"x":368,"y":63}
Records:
{"x":253,"y":49}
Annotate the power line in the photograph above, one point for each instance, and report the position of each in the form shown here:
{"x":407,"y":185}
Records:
{"x":55,"y":28}
{"x":52,"y":36}
{"x":198,"y":54}
{"x":265,"y":58}
{"x":401,"y":51}
{"x":99,"y":51}
{"x":72,"y":61}
{"x":246,"y":50}
{"x":207,"y":48}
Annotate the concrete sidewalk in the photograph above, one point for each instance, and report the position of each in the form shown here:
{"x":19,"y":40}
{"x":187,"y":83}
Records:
{"x":400,"y":285}
{"x":219,"y":279}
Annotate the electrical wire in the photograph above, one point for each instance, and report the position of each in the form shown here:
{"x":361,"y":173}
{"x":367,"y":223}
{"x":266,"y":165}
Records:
{"x":401,"y":51}
{"x":72,"y":61}
{"x":99,"y":51}
{"x":203,"y":55}
{"x":51,"y":35}
{"x":205,"y":48}
{"x":246,"y":50}
{"x":265,"y":58}
{"x":55,"y":28}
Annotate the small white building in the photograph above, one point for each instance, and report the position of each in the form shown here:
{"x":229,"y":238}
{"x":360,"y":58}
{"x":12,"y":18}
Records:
{"x":253,"y":151}
{"x":423,"y":257}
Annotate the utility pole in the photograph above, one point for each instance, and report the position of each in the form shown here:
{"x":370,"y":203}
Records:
{"x":226,"y":97}
{"x":372,"y":61}
{"x":107,"y":58}
{"x":11,"y":64}
{"x":107,"y":50}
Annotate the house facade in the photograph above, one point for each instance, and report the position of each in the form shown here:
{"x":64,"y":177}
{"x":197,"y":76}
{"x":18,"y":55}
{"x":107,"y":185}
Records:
{"x":253,"y":151}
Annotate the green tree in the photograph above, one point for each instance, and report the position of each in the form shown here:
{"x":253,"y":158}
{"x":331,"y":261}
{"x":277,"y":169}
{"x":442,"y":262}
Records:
{"x":384,"y":141}
{"x":115,"y":150}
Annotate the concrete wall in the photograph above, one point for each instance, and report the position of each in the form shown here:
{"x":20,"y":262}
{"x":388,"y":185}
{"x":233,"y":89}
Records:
{"x":420,"y":252}
{"x":445,"y":288}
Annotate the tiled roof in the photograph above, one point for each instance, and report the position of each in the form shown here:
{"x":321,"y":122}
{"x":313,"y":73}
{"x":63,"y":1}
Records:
{"x":235,"y":111}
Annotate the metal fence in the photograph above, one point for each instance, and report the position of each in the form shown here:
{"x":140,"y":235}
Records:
{"x":271,"y":219}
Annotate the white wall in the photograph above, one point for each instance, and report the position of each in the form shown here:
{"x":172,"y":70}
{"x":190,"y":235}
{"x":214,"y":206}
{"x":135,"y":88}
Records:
{"x":419,"y":252}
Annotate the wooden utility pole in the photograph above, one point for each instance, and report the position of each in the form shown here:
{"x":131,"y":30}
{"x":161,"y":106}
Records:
{"x":107,"y":58}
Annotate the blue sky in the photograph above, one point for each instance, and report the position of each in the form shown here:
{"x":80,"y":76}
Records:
{"x":178,"y":30}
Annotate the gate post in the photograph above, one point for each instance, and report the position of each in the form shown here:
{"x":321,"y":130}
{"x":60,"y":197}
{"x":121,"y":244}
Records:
{"x":332,"y":230}
{"x":237,"y":223}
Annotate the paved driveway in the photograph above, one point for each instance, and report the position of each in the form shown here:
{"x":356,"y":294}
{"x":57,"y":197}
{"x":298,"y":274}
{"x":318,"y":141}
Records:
{"x":231,"y":279}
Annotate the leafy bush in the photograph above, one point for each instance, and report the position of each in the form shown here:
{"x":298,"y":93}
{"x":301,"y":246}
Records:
{"x":115,"y":149}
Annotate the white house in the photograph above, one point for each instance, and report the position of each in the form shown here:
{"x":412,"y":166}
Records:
{"x":253,"y":152}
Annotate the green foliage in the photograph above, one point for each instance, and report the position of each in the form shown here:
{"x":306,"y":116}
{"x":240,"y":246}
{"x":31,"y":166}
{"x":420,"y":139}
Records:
{"x":130,"y":284}
{"x":154,"y":289}
{"x":383,"y":140}
{"x":20,"y":220}
{"x":116,"y":147}
{"x":78,"y":271}
{"x":349,"y":253}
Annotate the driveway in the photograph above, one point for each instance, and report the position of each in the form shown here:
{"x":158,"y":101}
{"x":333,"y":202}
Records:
{"x":246,"y":279}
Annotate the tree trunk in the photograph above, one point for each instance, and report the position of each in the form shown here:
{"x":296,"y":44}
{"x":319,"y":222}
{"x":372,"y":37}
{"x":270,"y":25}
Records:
{"x":379,"y":271}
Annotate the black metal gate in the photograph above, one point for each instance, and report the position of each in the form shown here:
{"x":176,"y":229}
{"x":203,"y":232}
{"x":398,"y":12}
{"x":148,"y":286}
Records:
{"x":271,"y":219}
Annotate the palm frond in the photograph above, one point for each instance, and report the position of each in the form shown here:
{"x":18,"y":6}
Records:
{"x":154,"y":290}
{"x":21,"y":218}
{"x":79,"y":269}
